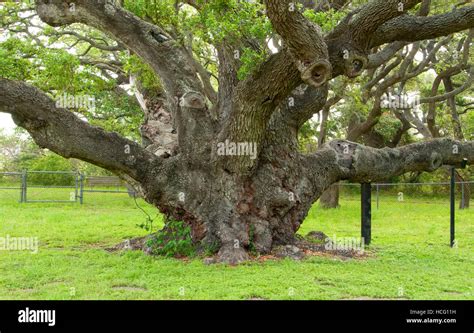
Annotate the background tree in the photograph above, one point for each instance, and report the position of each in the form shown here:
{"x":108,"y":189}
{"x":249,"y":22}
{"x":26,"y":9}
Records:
{"x":354,"y":116}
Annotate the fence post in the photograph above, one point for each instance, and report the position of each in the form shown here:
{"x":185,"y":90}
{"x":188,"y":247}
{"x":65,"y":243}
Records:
{"x":24,"y":185}
{"x":452,"y":204}
{"x":76,"y":186}
{"x":81,"y":188}
{"x":366,"y":214}
{"x":378,"y":196}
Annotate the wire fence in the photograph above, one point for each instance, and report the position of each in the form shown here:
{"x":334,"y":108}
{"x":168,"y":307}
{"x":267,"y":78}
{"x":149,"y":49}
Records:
{"x":74,"y":187}
{"x":58,"y":186}
{"x":427,"y":192}
{"x":11,"y":185}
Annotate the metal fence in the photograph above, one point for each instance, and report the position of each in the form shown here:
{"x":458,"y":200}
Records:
{"x":72,"y":187}
{"x":59,"y":186}
{"x":403,"y":192}
{"x":12,"y":183}
{"x":439,"y":193}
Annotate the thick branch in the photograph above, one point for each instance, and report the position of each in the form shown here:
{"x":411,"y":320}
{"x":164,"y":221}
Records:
{"x":412,"y":28}
{"x":150,"y":42}
{"x":302,"y":104}
{"x":64,"y":133}
{"x":304,"y":40}
{"x":376,"y":13}
{"x":377,"y":59}
{"x":365,"y":164}
{"x":254,"y":102}
{"x":457,"y":128}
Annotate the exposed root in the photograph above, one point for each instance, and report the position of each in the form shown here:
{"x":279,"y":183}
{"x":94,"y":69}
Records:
{"x":228,"y":254}
{"x":315,"y":243}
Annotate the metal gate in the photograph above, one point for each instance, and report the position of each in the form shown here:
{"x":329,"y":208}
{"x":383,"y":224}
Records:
{"x":74,"y":194}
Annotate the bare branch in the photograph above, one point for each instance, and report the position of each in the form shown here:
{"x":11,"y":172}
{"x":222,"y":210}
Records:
{"x":377,"y":59}
{"x":101,"y":46}
{"x":451,"y":93}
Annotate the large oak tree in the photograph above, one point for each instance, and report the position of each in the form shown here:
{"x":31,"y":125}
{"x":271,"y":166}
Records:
{"x":237,"y":201}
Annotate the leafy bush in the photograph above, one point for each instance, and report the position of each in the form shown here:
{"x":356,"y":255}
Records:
{"x":173,"y":241}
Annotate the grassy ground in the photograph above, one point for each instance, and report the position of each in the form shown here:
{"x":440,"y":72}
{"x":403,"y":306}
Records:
{"x":410,"y":257}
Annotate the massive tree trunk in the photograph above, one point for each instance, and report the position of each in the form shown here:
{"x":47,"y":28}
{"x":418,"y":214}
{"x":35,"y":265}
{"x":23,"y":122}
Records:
{"x":231,"y":169}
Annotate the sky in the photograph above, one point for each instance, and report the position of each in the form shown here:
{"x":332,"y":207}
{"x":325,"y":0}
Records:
{"x":7,"y":123}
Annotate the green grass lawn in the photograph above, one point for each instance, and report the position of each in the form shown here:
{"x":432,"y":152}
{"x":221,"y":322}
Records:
{"x":410,"y":257}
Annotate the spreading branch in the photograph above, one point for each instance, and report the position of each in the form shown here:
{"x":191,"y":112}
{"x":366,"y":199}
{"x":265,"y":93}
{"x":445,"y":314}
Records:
{"x":64,"y":133}
{"x":304,"y":40}
{"x":412,"y":28}
{"x":157,"y":48}
{"x":360,"y":163}
{"x":369,"y":17}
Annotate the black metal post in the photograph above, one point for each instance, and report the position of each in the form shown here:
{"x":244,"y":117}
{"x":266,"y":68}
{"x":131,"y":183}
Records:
{"x":366,"y":212}
{"x":24,"y":185}
{"x":81,"y":189}
{"x":453,"y":203}
{"x":378,"y":195}
{"x":76,"y":186}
